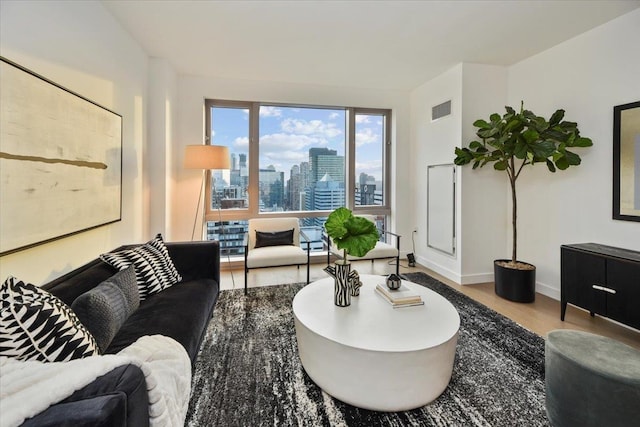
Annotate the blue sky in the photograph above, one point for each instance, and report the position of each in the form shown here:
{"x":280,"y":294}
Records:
{"x":287,"y":134}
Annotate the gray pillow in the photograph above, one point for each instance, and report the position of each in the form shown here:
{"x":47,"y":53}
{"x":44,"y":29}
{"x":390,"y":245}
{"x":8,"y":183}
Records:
{"x":126,"y":281}
{"x":104,"y":309}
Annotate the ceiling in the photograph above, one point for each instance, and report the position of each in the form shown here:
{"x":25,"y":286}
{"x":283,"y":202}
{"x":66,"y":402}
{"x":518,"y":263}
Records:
{"x":396,"y":45}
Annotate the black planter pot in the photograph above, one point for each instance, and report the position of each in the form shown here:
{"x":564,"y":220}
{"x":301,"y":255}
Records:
{"x":513,"y":284}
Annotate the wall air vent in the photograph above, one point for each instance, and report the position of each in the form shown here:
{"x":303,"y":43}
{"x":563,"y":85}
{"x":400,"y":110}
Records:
{"x":441,"y":110}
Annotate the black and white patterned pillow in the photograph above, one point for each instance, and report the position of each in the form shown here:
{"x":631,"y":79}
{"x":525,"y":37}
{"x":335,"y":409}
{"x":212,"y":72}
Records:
{"x":153,"y":266}
{"x":35,"y":325}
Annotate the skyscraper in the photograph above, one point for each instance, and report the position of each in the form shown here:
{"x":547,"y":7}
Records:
{"x":326,"y":182}
{"x":366,"y":189}
{"x":326,"y":194}
{"x":325,"y":161}
{"x":271,"y":189}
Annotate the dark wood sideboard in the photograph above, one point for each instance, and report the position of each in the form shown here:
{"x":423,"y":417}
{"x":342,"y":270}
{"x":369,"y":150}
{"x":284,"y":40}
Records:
{"x":601,"y":279}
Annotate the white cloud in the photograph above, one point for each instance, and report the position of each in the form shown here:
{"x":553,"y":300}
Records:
{"x":283,"y":142}
{"x":362,"y":119}
{"x":334,"y":116}
{"x":283,"y":161}
{"x":310,"y":127}
{"x":266,"y":111}
{"x":284,"y":150}
{"x":366,"y":136}
{"x":241,"y":142}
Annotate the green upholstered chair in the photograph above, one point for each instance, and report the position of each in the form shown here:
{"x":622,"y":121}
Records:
{"x":591,"y":381}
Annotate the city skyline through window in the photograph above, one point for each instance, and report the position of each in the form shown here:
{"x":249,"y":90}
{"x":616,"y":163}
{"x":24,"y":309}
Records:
{"x":301,"y":148}
{"x":298,"y":148}
{"x":302,"y":159}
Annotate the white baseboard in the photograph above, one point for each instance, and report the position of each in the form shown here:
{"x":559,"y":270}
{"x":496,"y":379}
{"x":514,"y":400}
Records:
{"x":470,"y":279}
{"x":439,"y":269}
{"x":548,"y":290}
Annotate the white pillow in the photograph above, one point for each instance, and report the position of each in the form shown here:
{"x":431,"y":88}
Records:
{"x":36,"y":325}
{"x":153,"y":266}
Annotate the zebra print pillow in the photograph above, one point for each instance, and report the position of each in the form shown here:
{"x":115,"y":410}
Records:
{"x":35,"y":325}
{"x":153,"y":266}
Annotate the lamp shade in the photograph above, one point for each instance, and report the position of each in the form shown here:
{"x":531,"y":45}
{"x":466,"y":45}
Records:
{"x":206,"y":157}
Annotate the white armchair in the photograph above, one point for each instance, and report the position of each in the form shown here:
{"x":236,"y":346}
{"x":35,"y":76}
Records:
{"x":381,"y":251}
{"x":274,"y":242}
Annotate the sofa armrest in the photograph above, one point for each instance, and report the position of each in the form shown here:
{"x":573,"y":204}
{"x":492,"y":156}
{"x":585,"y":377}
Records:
{"x":196,"y":260}
{"x":100,"y":411}
{"x":117,"y":398}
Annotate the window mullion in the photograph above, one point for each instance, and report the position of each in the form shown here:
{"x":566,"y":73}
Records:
{"x":350,"y":154}
{"x":254,"y":159}
{"x":386,"y":171}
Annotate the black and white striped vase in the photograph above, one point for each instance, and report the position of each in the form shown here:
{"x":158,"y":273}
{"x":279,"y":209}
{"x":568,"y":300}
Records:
{"x":342,"y":289}
{"x":356,"y":284}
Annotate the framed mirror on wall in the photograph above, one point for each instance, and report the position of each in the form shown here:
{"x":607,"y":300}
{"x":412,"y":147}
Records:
{"x":626,"y":162}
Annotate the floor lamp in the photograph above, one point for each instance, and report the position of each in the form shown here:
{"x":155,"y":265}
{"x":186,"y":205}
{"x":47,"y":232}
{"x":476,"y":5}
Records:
{"x":205,"y":157}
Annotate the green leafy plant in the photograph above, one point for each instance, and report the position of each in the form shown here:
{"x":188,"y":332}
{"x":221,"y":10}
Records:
{"x":518,"y":139}
{"x":354,"y":235}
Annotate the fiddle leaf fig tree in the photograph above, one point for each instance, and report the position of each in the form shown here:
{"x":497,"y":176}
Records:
{"x":353,"y":234}
{"x":518,"y":139}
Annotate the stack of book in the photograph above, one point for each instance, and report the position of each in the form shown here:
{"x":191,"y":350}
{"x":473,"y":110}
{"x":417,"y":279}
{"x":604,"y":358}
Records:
{"x":401,"y":297}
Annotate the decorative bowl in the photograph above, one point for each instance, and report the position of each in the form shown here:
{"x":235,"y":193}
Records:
{"x":393,"y":281}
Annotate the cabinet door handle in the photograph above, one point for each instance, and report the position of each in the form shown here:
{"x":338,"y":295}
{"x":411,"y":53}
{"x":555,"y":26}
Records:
{"x":605,"y":289}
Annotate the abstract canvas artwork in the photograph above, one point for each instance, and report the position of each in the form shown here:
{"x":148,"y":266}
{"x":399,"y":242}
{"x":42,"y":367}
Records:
{"x":60,"y":161}
{"x":626,"y":162}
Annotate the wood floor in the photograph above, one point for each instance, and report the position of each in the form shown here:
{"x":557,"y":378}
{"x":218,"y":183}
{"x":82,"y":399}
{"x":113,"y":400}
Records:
{"x":541,"y":316}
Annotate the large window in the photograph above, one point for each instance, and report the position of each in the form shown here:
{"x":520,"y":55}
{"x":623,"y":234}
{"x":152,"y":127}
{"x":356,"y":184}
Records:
{"x":230,"y":188}
{"x":291,"y":160}
{"x":370,"y":158}
{"x":301,"y":158}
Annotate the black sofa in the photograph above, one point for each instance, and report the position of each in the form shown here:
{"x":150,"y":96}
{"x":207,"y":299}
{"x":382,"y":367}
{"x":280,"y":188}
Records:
{"x":182,"y":312}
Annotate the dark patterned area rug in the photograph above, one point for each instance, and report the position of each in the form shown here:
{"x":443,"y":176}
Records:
{"x":248,"y":372}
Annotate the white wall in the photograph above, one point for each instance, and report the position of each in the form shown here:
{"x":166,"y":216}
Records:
{"x":193,"y":90}
{"x":158,"y":162}
{"x":475,"y":92}
{"x":81,"y":47}
{"x":483,"y":191}
{"x":433,"y":143}
{"x":587,"y":76}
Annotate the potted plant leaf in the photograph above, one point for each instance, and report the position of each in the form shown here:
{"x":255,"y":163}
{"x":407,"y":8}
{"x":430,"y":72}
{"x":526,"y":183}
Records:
{"x":355,"y":236}
{"x":510,"y":142}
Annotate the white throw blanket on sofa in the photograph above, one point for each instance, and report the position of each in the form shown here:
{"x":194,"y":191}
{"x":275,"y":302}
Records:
{"x":28,"y":388}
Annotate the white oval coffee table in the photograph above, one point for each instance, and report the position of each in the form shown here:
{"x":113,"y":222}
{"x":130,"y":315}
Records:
{"x":372,"y":355}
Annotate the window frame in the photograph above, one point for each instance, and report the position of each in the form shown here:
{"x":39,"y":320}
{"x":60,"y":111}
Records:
{"x":253,"y":209}
{"x":386,"y":162}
